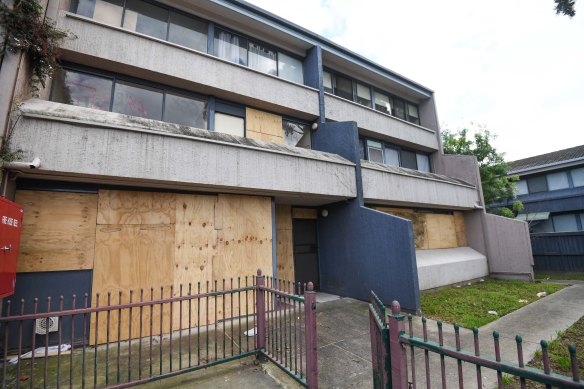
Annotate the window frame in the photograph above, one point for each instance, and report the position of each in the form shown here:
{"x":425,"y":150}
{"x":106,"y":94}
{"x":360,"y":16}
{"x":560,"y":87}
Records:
{"x":398,"y":148}
{"x":301,"y":122}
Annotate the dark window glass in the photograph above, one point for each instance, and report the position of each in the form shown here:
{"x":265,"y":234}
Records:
{"x":187,"y":31}
{"x":137,"y":100}
{"x":230,"y":47}
{"x":565,"y":223}
{"x":543,"y":226}
{"x":185,"y":110}
{"x":107,"y":11}
{"x":399,"y":108}
{"x":146,"y":18}
{"x":361,"y":149}
{"x":82,"y":89}
{"x":413,"y":116}
{"x":343,"y":87}
{"x":327,"y":80}
{"x":262,"y":59}
{"x":296,"y":134}
{"x":408,"y":159}
{"x":537,"y":184}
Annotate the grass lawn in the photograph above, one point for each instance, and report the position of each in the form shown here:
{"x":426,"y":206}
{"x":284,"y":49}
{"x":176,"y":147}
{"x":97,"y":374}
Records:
{"x":560,"y":276}
{"x":469,"y":305}
{"x":558,"y":353}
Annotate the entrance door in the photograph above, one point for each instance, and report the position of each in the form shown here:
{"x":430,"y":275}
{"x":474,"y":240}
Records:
{"x":305,"y":252}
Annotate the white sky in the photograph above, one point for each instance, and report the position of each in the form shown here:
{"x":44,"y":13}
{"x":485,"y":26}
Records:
{"x":513,"y":66}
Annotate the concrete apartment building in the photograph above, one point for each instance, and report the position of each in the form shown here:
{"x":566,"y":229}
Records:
{"x":184,"y":142}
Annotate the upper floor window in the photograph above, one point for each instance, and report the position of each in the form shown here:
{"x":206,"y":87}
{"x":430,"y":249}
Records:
{"x":577,"y":176}
{"x":130,"y":97}
{"x":562,"y":222}
{"x":364,"y":94}
{"x":550,"y":182}
{"x":296,"y":133}
{"x":380,"y":152}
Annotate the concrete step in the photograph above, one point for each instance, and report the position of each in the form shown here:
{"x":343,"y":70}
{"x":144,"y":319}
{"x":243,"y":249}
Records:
{"x":440,"y":267}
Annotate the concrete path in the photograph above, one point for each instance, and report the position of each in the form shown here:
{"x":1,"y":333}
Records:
{"x":344,"y":354}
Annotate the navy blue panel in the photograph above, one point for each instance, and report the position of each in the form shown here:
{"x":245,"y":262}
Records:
{"x":312,"y":68}
{"x":558,"y":252}
{"x":229,"y":108}
{"x":361,"y":249}
{"x":48,"y":284}
{"x":211,"y":38}
{"x":211,"y":116}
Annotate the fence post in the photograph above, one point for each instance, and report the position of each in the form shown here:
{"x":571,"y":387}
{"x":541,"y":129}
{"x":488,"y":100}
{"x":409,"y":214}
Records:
{"x":260,"y":311}
{"x":399,"y":375}
{"x":310,"y":327}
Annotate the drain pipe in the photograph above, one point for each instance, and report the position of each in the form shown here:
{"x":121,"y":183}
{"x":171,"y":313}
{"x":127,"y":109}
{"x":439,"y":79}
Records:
{"x":34,"y":164}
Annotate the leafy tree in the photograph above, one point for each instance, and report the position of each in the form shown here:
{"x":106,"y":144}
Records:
{"x":497,"y":185}
{"x":565,"y":7}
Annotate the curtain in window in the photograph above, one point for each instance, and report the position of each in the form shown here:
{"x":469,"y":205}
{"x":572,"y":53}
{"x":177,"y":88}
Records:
{"x":227,"y":47}
{"x":262,"y":59}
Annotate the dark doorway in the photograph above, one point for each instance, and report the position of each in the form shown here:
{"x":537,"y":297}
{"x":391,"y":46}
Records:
{"x":305,"y":252}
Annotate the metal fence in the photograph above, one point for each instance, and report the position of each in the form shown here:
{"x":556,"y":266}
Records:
{"x":134,"y":338}
{"x":399,"y":348}
{"x":558,"y":252}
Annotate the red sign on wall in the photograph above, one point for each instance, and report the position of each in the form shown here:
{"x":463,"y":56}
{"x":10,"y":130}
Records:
{"x":10,"y":229}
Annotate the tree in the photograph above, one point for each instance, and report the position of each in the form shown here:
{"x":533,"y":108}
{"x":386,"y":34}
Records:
{"x":497,"y":185}
{"x":565,"y":7}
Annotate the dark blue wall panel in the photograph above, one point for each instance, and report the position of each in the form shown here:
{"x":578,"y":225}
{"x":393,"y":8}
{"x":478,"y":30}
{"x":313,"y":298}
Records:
{"x":361,"y":249}
{"x":558,"y":252}
{"x":312,"y":68}
{"x":48,"y":284}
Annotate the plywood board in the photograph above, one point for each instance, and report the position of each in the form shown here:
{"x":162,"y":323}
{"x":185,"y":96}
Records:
{"x":264,"y":126}
{"x":133,"y":207}
{"x":58,"y":231}
{"x":441,"y":232}
{"x":460,"y":229}
{"x":130,"y":258}
{"x":304,"y":213}
{"x":284,"y":243}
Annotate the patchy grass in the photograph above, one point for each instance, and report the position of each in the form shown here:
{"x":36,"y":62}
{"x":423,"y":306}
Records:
{"x":560,"y":276}
{"x":468,"y":305}
{"x":559,"y":356}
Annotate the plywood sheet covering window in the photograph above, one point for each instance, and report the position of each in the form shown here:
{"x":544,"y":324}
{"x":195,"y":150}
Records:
{"x":58,"y":231}
{"x":263,"y":126}
{"x":441,"y":232}
{"x":460,"y":228}
{"x":284,"y":243}
{"x":133,"y":207}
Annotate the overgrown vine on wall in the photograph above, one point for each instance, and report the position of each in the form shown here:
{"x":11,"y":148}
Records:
{"x":26,"y":29}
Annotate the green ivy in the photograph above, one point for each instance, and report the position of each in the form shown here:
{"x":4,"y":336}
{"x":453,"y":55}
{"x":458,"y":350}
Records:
{"x":26,"y":29}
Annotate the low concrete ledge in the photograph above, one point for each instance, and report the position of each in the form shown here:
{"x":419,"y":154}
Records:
{"x":75,"y":141}
{"x":442,"y":267}
{"x":383,"y":184}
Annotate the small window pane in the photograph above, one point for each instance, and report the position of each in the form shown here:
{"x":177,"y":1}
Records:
{"x":558,"y":181}
{"x":375,"y":155}
{"x":578,"y":176}
{"x":399,"y":109}
{"x":408,"y":159}
{"x":537,"y":184}
{"x":228,"y":124}
{"x":581,"y":221}
{"x":290,"y":68}
{"x":263,"y":59}
{"x":363,"y":95}
{"x":107,"y":11}
{"x":230,"y":47}
{"x":137,"y":100}
{"x":146,"y":18}
{"x":327,"y":80}
{"x":361,"y":149}
{"x":296,"y":134}
{"x":187,"y":31}
{"x":521,"y":187}
{"x":413,"y":116}
{"x":565,"y":223}
{"x":392,"y":157}
{"x":382,"y":103}
{"x":343,"y":87}
{"x":423,"y":162}
{"x":81,"y":89}
{"x":543,"y":226}
{"x":185,"y":110}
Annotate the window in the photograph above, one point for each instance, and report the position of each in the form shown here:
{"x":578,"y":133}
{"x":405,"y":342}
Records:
{"x":296,"y":134}
{"x":382,"y":103}
{"x":361,"y":149}
{"x":229,"y":124}
{"x":290,"y":68}
{"x":558,"y":181}
{"x":137,"y":100}
{"x":146,"y":18}
{"x":543,"y":226}
{"x":399,"y":109}
{"x":230,"y":47}
{"x":327,"y":81}
{"x":343,"y":87}
{"x":187,"y":31}
{"x":363,"y":95}
{"x":394,"y":155}
{"x":107,"y":11}
{"x":423,"y":162}
{"x":578,"y":176}
{"x":82,"y":89}
{"x":408,"y":159}
{"x":184,"y":110}
{"x":565,"y":223}
{"x":262,"y":59}
{"x":413,"y":116}
{"x":521,"y":187}
{"x":375,"y":151}
{"x":537,"y":184}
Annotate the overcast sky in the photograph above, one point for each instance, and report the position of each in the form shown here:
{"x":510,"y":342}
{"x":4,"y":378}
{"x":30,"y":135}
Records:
{"x":513,"y":66}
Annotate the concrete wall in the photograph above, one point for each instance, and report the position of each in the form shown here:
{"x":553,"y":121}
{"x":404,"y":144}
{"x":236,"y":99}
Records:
{"x":463,"y":167}
{"x":381,"y":186}
{"x":508,"y":247}
{"x":380,"y":125}
{"x":186,"y":158}
{"x":181,"y":67}
{"x":361,"y":249}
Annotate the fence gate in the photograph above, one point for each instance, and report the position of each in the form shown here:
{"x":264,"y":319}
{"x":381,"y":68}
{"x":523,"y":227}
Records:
{"x":401,"y":350}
